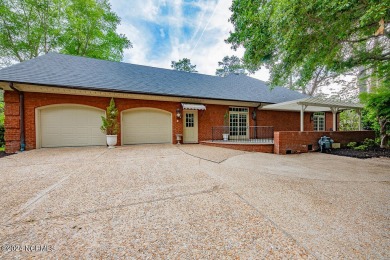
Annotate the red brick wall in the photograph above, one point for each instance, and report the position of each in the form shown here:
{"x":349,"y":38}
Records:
{"x":298,"y":141}
{"x":213,"y":116}
{"x":283,"y":120}
{"x":329,"y":121}
{"x":289,"y":121}
{"x":35,"y":100}
{"x":11,"y":121}
{"x":262,"y":148}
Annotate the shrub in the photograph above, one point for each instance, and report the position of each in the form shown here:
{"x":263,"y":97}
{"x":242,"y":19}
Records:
{"x":361,"y":147}
{"x":351,"y":144}
{"x":110,"y":121}
{"x":370,"y":143}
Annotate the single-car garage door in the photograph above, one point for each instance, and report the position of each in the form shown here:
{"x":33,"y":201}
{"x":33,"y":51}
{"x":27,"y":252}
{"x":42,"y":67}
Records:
{"x":146,"y":126}
{"x":70,"y":125}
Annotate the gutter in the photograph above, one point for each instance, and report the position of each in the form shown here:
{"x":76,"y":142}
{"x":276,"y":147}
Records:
{"x":21,"y":112}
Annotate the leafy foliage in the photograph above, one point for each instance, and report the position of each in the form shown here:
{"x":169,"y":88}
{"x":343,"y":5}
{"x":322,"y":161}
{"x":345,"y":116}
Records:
{"x":78,"y":27}
{"x":370,"y":142}
{"x":361,"y":148}
{"x":367,"y":143}
{"x":110,"y":121}
{"x":349,"y":120}
{"x":377,"y":109}
{"x":230,"y":65}
{"x":302,"y":41}
{"x":91,"y":31}
{"x":183,"y":65}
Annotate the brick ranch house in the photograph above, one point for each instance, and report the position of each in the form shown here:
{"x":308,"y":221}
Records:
{"x":57,"y":100}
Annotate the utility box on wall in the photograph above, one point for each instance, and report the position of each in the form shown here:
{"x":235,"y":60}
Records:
{"x":336,"y":146}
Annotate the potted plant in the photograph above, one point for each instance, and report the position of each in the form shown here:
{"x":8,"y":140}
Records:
{"x":225,"y":134}
{"x":110,"y":124}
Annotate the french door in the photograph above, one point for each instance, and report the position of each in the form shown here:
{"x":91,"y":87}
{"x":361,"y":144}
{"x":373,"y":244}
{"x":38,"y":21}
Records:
{"x":238,"y":122}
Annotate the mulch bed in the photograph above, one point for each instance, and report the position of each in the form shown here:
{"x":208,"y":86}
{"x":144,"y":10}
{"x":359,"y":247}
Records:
{"x":370,"y":153}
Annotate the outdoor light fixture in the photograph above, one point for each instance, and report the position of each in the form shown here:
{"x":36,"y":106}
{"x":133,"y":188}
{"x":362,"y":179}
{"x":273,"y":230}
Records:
{"x":254,"y":115}
{"x":178,"y":113}
{"x":311,"y":117}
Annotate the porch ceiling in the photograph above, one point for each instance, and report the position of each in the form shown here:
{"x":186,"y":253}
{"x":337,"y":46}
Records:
{"x":313,"y":105}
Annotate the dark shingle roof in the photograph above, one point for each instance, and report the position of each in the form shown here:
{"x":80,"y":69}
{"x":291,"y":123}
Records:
{"x":55,"y":69}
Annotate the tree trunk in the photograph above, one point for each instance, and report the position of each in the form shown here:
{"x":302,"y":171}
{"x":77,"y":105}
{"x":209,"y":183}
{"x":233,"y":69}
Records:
{"x":383,"y":133}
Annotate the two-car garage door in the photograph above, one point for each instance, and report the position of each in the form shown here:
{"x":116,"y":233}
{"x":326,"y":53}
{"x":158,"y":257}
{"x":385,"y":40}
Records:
{"x":70,"y":125}
{"x":146,"y":126}
{"x":76,"y":125}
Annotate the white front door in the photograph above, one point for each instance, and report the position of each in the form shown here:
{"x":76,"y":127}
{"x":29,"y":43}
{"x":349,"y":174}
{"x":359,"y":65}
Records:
{"x":190,"y":127}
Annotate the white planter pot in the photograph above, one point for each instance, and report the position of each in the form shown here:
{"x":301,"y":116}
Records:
{"x":225,"y":137}
{"x":111,"y":140}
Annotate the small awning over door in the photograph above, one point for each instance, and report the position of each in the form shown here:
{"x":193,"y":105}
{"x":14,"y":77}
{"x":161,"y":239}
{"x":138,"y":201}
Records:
{"x":193,"y":106}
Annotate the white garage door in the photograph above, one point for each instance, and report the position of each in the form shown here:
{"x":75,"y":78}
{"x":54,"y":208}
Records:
{"x":71,"y":126}
{"x":146,"y":126}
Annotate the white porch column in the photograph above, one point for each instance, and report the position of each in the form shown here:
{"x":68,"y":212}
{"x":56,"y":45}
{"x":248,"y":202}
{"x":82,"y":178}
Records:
{"x":303,"y":107}
{"x":334,"y":112}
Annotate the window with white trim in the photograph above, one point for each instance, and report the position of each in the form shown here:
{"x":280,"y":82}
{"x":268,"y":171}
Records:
{"x":319,"y":121}
{"x":189,"y":120}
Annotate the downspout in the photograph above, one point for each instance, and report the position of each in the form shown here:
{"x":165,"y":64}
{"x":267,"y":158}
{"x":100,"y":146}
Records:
{"x":254,"y":117}
{"x":255,"y":113}
{"x":21,"y":112}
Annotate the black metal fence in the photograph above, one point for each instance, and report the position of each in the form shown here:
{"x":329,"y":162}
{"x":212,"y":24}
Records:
{"x":245,"y":134}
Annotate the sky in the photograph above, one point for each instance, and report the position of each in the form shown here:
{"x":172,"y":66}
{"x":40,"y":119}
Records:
{"x":162,"y":31}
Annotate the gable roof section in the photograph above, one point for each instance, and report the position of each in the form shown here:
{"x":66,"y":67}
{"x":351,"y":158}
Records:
{"x":68,"y":71}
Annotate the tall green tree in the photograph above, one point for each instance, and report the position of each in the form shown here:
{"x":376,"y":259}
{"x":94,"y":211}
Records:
{"x":183,"y":65}
{"x":230,"y":65}
{"x":29,"y":28}
{"x":377,"y":106}
{"x":300,"y":39}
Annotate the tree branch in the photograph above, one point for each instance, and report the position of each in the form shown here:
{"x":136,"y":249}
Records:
{"x":362,"y":39}
{"x":12,"y":42}
{"x":381,"y":57}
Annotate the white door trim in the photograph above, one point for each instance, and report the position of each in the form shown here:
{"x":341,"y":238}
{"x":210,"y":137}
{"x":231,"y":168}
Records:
{"x":196,"y":127}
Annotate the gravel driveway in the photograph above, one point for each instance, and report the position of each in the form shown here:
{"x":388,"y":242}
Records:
{"x":192,"y":201}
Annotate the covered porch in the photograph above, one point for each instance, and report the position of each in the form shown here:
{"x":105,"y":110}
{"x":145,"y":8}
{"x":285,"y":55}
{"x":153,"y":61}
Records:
{"x":266,"y":139}
{"x":316,"y":105}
